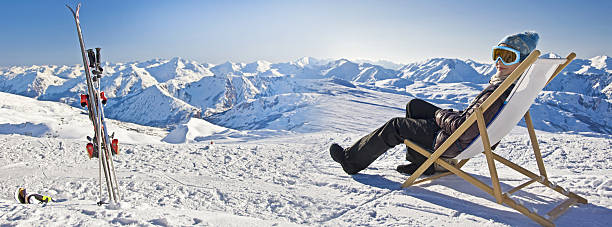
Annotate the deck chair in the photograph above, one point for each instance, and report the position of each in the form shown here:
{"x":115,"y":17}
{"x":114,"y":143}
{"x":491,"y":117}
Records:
{"x":531,"y":76}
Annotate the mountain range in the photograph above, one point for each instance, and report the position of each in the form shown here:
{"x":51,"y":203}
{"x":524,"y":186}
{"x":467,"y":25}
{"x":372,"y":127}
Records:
{"x":264,"y":95}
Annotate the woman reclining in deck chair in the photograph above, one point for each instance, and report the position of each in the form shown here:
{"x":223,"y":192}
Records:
{"x":428,"y":125}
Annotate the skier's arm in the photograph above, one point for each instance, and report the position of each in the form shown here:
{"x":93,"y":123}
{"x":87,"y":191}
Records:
{"x":450,"y":120}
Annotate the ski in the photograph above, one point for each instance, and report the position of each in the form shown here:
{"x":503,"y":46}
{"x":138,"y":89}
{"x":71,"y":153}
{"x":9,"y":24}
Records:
{"x":94,"y":100}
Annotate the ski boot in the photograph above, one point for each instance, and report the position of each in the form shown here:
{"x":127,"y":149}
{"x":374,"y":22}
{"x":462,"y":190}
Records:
{"x":92,"y":151}
{"x":104,"y":99}
{"x":115,"y":146}
{"x":84,"y":98}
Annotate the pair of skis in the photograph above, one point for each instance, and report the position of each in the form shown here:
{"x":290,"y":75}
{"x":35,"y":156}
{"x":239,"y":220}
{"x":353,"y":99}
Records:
{"x":100,"y":145}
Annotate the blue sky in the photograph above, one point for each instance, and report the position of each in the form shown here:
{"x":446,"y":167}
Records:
{"x":43,"y":32}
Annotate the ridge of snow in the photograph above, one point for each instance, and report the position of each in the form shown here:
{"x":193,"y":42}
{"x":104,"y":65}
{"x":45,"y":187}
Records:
{"x":193,"y":131}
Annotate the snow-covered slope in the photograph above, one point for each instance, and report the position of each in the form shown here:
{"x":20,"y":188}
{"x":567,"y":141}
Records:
{"x":27,"y":116}
{"x":291,"y":180}
{"x":153,"y":106}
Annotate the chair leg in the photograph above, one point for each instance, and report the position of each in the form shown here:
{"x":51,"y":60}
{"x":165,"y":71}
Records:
{"x":543,"y":180}
{"x":484,"y":135}
{"x":505,"y":199}
{"x":534,"y":144}
{"x":525,"y":211}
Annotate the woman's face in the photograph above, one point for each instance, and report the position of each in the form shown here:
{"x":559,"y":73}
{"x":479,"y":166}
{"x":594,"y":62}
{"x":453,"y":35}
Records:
{"x":505,"y":70}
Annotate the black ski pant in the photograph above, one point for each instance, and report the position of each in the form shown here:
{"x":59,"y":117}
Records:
{"x":418,"y":126}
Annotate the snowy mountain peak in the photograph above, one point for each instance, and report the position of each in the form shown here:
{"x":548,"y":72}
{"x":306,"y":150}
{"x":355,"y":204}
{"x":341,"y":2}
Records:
{"x":451,"y":62}
{"x":309,"y":62}
{"x":257,"y":67}
{"x":601,"y":62}
{"x":595,"y":66}
{"x":341,"y":69}
{"x":177,"y":62}
{"x":227,"y":68}
{"x":342,"y":61}
{"x":550,"y":55}
{"x":303,"y":61}
{"x":161,"y":108}
{"x":384,"y":63}
{"x":32,"y":81}
{"x":443,"y":70}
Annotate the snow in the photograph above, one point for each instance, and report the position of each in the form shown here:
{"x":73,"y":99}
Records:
{"x":601,"y":62}
{"x":192,"y":131}
{"x":290,"y":180}
{"x":176,"y":68}
{"x":154,"y":102}
{"x":383,"y":63}
{"x":258,"y":155}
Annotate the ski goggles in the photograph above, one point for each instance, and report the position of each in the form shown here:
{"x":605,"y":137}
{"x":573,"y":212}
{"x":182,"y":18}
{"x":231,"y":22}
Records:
{"x":507,"y":55}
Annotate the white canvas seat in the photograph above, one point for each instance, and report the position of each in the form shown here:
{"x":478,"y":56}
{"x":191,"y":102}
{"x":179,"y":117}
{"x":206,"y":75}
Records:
{"x":527,"y":88}
{"x":531,"y":76}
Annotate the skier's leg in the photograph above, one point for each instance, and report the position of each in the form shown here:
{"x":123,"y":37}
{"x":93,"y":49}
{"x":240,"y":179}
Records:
{"x":370,"y":147}
{"x":420,"y":109}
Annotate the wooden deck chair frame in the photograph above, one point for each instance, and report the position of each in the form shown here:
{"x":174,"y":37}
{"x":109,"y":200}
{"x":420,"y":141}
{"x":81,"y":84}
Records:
{"x":495,"y":191}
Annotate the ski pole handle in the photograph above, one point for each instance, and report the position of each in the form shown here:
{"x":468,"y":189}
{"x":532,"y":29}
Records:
{"x":92,"y":58}
{"x":98,"y":66}
{"x":98,"y":55}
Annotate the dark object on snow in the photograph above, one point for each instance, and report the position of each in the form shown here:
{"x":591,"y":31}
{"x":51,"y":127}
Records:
{"x":412,"y":167}
{"x":338,"y":154}
{"x":22,"y":197}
